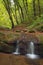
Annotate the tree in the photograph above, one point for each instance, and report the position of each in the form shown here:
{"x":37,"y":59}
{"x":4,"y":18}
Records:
{"x":34,"y":9}
{"x":16,"y":15}
{"x":19,"y":9}
{"x":26,"y":7}
{"x":8,"y":8}
{"x":39,"y":8}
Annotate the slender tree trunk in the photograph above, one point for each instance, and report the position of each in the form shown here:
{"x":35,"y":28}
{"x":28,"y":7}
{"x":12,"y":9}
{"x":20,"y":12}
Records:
{"x":19,"y":14}
{"x":21,"y":11}
{"x":18,"y":5}
{"x":22,"y":14}
{"x":34,"y":9}
{"x":7,"y":6}
{"x":26,"y":7}
{"x":39,"y":8}
{"x":11,"y":22}
{"x":27,"y":12}
{"x":16,"y":15}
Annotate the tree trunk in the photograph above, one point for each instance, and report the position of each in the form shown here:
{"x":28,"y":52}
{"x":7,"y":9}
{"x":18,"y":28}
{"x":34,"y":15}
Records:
{"x":16,"y":15}
{"x":39,"y":8}
{"x":11,"y":21}
{"x":7,"y":6}
{"x":20,"y":14}
{"x":18,"y":5}
{"x":26,"y":7}
{"x":27,"y":12}
{"x":21,"y":11}
{"x":34,"y":9}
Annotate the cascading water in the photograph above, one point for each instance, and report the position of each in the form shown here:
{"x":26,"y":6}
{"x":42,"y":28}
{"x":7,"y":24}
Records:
{"x":17,"y":49}
{"x":31,"y":48}
{"x":31,"y":53}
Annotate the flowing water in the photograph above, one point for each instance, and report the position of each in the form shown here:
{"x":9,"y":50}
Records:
{"x":17,"y":50}
{"x":31,"y":53}
{"x":31,"y":48}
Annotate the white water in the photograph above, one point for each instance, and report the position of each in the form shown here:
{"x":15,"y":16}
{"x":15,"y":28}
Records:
{"x":17,"y":49}
{"x":31,"y":54}
{"x":31,"y":48}
{"x":16,"y":52}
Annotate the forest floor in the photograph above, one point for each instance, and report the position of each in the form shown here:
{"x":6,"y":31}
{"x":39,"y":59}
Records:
{"x":7,"y":35}
{"x":18,"y":32}
{"x":10,"y":59}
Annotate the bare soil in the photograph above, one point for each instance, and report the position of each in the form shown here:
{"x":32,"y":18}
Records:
{"x":10,"y":59}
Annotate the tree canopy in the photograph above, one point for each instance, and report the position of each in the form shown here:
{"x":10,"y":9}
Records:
{"x":15,"y":12}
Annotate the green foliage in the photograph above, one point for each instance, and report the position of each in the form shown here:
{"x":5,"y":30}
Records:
{"x":37,"y":24}
{"x":4,"y":18}
{"x":21,"y":11}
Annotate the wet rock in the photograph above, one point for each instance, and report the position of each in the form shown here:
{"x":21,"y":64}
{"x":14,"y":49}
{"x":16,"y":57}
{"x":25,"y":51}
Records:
{"x":22,"y":47}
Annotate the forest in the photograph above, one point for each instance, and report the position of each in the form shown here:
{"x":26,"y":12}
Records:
{"x":28,"y":12}
{"x":18,"y":17}
{"x":21,"y":23}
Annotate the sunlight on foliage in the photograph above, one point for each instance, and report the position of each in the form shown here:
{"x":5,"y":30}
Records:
{"x":4,"y":18}
{"x":20,"y":11}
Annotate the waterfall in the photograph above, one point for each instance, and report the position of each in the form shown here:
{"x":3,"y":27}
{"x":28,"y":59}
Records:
{"x":17,"y":49}
{"x":31,"y":53}
{"x":31,"y":48}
